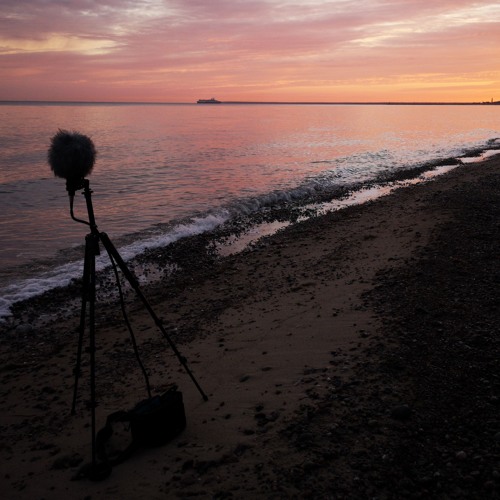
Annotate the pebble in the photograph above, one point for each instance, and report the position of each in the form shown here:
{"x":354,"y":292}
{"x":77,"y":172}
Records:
{"x":23,"y":329}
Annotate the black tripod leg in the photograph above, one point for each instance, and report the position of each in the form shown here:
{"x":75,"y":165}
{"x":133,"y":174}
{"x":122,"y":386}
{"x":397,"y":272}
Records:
{"x":88,"y":297}
{"x":91,"y":298}
{"x":113,"y":252}
{"x":95,"y":471}
{"x":85,"y":293}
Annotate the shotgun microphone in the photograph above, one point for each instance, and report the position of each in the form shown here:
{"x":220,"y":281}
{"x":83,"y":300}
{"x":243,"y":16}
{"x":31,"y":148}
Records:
{"x":71,"y":156}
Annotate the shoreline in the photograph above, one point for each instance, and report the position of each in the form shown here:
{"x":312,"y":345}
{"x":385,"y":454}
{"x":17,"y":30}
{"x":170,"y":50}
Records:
{"x":42,"y":275}
{"x":311,"y":345}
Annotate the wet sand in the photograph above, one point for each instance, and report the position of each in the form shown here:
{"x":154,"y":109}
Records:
{"x":354,"y":355}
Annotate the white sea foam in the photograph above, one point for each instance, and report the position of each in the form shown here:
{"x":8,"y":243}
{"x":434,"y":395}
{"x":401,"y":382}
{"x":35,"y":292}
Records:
{"x":63,"y":275}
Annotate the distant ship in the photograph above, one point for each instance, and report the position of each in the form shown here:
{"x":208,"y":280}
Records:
{"x":208,"y":101}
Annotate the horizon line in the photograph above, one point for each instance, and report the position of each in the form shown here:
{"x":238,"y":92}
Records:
{"x":373,"y":103}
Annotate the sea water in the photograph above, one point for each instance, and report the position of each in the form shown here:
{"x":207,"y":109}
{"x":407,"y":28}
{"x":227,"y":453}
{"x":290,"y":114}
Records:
{"x":173,"y":170}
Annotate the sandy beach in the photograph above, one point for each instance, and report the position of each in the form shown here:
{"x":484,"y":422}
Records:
{"x":353,"y":355}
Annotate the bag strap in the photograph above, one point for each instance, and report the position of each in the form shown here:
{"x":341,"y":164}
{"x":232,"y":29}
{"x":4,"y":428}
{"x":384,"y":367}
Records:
{"x":103,"y":468}
{"x":104,"y":435}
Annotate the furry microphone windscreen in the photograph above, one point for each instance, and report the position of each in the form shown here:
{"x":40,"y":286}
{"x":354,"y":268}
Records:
{"x":71,"y":155}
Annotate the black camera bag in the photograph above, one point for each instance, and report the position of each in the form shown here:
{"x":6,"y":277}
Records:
{"x":157,"y":420}
{"x":152,"y":422}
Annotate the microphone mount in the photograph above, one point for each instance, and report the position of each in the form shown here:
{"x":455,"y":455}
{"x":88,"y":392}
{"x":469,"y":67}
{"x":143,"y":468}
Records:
{"x":87,"y":192}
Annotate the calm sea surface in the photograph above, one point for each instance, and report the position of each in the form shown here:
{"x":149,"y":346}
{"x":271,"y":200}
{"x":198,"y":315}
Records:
{"x":164,"y":171}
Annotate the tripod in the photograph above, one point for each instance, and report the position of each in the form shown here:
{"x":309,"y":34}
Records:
{"x":92,"y":241}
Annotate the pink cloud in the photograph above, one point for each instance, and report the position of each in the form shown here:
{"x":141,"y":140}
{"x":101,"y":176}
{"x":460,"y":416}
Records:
{"x":159,"y":50}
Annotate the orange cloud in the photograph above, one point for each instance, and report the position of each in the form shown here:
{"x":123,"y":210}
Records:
{"x":254,"y":50}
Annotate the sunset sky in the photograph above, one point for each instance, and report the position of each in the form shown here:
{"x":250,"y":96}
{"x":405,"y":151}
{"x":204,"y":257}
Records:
{"x":255,"y":50}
